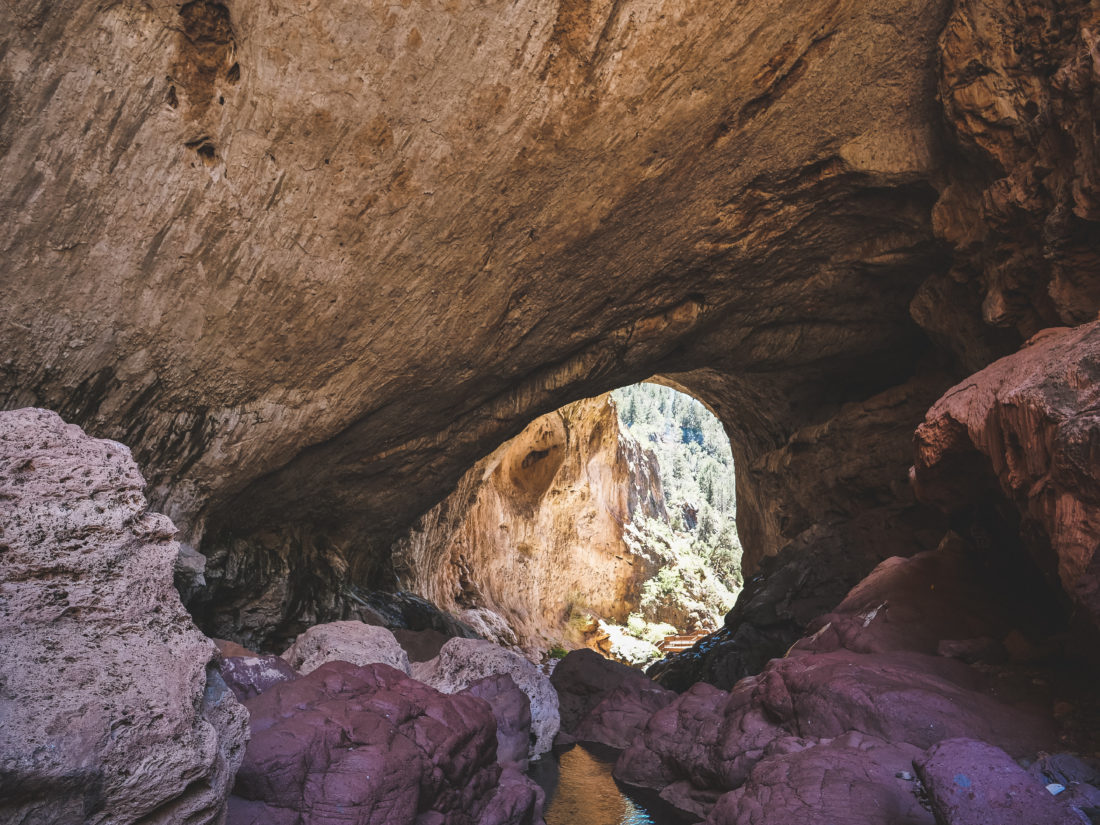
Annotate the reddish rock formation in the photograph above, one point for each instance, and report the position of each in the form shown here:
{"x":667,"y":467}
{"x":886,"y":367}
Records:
{"x":512,"y":711}
{"x":249,"y":676}
{"x":1027,"y":428}
{"x":534,"y":533}
{"x":973,"y":783}
{"x":854,"y":779}
{"x":110,"y":710}
{"x":370,"y":743}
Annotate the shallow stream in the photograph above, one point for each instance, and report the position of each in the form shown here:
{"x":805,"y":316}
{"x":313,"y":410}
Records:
{"x":581,"y":791}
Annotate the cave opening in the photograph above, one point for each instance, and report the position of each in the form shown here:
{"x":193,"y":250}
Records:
{"x":609,"y":523}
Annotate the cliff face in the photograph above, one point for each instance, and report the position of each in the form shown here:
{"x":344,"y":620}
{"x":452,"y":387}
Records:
{"x":533,"y":536}
{"x":313,"y":266}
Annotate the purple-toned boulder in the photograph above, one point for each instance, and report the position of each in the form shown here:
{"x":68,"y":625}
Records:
{"x":974,"y":783}
{"x":249,"y":676}
{"x":621,"y":714}
{"x":854,"y":779}
{"x":583,"y":679}
{"x":346,"y":641}
{"x":370,"y":746}
{"x":512,"y":711}
{"x":708,"y":740}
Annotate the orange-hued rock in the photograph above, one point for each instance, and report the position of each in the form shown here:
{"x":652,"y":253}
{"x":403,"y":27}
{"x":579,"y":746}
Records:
{"x":534,"y":534}
{"x":1028,"y":427}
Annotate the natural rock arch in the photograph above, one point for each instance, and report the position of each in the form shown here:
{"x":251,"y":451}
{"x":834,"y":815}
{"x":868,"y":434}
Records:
{"x":311,"y":267}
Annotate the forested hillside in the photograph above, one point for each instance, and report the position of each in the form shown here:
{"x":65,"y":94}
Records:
{"x":701,"y":556}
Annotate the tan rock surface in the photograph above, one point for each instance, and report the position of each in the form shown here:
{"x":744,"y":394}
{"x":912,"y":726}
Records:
{"x":107,"y":713}
{"x":314,"y":264}
{"x":534,"y":533}
{"x":354,"y":642}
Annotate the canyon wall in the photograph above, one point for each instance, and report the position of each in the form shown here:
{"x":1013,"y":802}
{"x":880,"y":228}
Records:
{"x":531,"y":541}
{"x":313,"y":264}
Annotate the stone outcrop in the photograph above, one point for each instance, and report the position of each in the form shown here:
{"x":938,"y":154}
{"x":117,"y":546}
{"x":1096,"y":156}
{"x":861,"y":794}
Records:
{"x":873,"y":670}
{"x":313,"y":268}
{"x":354,"y":642}
{"x":370,"y":743}
{"x":249,"y":676}
{"x":462,"y":662}
{"x":854,"y":779}
{"x":1026,"y":429}
{"x":973,"y":783}
{"x":533,"y":536}
{"x":111,"y":711}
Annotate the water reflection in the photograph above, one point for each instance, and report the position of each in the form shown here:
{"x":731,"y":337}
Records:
{"x":581,"y":791}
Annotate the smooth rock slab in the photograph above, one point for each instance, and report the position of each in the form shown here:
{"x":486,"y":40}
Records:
{"x":349,"y":641}
{"x":107,"y":711}
{"x":461,"y":662}
{"x":974,"y":783}
{"x":512,"y":711}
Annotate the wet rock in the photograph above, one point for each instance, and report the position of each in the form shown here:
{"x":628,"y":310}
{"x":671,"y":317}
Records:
{"x":350,"y":641}
{"x":974,"y":783}
{"x":854,"y":779}
{"x":1025,"y":429}
{"x":461,"y":662}
{"x":249,"y":676}
{"x":512,"y":711}
{"x":110,"y":713}
{"x":371,"y":743}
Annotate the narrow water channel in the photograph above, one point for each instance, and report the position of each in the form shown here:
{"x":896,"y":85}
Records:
{"x":581,"y":791}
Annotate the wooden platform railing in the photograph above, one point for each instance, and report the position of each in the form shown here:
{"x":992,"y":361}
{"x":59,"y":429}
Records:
{"x":678,"y":644}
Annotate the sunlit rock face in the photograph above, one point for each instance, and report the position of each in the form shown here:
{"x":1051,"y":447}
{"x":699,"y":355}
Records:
{"x":313,"y":266}
{"x":532,"y":539}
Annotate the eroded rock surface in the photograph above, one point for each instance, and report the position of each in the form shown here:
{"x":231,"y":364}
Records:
{"x":1026,"y":428}
{"x":537,"y":528}
{"x":110,"y":711}
{"x":461,"y":662}
{"x":313,"y":267}
{"x":974,"y":783}
{"x":371,"y":744}
{"x":354,"y":642}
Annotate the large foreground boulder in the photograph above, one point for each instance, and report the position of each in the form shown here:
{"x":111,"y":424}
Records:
{"x":1027,"y":428}
{"x":854,"y":779}
{"x":350,"y":641}
{"x":461,"y":662}
{"x":109,"y":713}
{"x":973,"y":783}
{"x":370,"y":746}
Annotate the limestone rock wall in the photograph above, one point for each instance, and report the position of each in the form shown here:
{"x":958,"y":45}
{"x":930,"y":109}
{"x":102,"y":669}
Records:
{"x":533,"y":534}
{"x":313,"y":264}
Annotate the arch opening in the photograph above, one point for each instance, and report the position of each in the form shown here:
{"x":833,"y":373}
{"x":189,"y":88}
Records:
{"x":608,"y":523}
